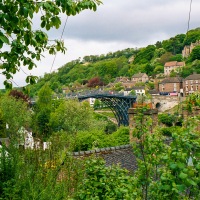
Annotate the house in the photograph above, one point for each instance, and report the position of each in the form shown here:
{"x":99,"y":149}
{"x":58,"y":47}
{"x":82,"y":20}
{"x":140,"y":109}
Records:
{"x":121,"y":79}
{"x":91,"y":101}
{"x":66,"y":90}
{"x":141,"y":77}
{"x":125,"y":81}
{"x":171,"y":86}
{"x":188,"y":49}
{"x":140,"y":90}
{"x":172,"y":66}
{"x":25,"y":138}
{"x":191,"y":84}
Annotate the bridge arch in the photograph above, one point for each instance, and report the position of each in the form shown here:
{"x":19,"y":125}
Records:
{"x":118,"y":103}
{"x":158,"y":105}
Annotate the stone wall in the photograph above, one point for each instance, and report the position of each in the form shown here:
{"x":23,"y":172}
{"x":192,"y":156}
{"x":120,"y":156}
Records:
{"x":133,"y":112}
{"x":195,"y":112}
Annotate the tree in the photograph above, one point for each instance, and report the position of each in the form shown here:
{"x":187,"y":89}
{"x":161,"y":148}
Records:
{"x":96,"y":81}
{"x":118,"y":86}
{"x":15,"y":114}
{"x":145,"y":55}
{"x":25,"y":44}
{"x":43,"y":111}
{"x":195,"y":54}
{"x":71,"y":116}
{"x":19,"y":95}
{"x":165,"y":57}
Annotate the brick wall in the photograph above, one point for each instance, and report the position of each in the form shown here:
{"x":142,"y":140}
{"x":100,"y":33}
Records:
{"x":169,"y":87}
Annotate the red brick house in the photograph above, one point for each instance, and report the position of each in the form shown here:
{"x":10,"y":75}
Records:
{"x":191,"y":84}
{"x":172,"y":66}
{"x":171,"y":86}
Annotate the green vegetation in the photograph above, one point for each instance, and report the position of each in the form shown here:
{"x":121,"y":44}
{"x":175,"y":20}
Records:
{"x":100,"y":70}
{"x":167,"y":167}
{"x":25,"y":44}
{"x":168,"y":159}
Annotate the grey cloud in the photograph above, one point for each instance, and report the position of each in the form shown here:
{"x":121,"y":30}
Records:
{"x":131,"y":21}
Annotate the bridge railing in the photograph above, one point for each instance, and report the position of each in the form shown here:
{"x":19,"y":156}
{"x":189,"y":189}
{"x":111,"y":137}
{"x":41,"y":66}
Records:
{"x":95,"y":93}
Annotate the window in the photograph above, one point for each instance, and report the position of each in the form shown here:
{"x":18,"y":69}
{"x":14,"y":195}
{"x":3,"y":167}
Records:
{"x":191,"y":87}
{"x":196,"y":81}
{"x":197,"y":87}
{"x":186,"y":82}
{"x":163,"y":87}
{"x":174,"y":86}
{"x":191,"y":82}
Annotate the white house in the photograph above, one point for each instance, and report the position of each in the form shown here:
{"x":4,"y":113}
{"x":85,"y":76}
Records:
{"x":139,"y":90}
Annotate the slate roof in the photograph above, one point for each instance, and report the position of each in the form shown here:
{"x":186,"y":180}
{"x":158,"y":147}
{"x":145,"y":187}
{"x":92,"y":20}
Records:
{"x":135,"y":88}
{"x":172,"y":80}
{"x":138,"y":88}
{"x":193,"y":77}
{"x":122,"y":155}
{"x":138,"y":75}
{"x":154,"y":91}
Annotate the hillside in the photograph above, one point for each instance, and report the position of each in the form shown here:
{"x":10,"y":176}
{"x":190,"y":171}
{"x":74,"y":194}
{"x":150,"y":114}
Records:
{"x":127,"y":62}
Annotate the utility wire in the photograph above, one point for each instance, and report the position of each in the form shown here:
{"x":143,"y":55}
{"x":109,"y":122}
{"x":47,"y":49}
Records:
{"x":23,"y":71}
{"x":11,"y":80}
{"x":60,"y":40}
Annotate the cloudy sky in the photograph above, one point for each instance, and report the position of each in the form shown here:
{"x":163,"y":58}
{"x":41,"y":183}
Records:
{"x":116,"y":25}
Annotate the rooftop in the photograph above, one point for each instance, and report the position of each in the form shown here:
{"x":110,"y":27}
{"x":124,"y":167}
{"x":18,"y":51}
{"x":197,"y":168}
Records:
{"x":138,"y":75}
{"x":193,"y":77}
{"x":172,"y":80}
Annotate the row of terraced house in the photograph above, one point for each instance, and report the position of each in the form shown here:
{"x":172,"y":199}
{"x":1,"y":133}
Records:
{"x":180,"y":86}
{"x":173,"y":86}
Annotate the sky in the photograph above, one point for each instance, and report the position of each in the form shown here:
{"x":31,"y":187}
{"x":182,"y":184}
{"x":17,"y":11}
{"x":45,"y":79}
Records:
{"x":116,"y":25}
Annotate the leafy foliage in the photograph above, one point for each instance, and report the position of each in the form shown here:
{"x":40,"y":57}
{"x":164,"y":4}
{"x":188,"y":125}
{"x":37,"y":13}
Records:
{"x":167,"y":169}
{"x":25,"y":44}
{"x":166,"y":119}
{"x":106,"y":182}
{"x":94,"y":82}
{"x":87,"y":140}
{"x":15,"y":114}
{"x":38,"y":174}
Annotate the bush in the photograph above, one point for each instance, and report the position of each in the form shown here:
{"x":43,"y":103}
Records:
{"x":106,"y":182}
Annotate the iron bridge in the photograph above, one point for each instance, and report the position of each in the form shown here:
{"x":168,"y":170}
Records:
{"x":117,"y":102}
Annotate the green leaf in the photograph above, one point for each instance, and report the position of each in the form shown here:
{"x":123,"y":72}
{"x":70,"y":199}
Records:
{"x":173,"y":165}
{"x":191,"y":182}
{"x":48,"y":26}
{"x":1,"y":44}
{"x":166,"y":187}
{"x":181,"y":188}
{"x":43,"y":24}
{"x":183,"y":175}
{"x":4,"y":39}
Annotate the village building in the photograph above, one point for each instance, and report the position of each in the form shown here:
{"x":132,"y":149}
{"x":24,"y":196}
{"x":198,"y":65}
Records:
{"x":125,"y":81}
{"x":172,"y":66}
{"x":191,"y":84}
{"x":171,"y":86}
{"x":188,"y":49}
{"x":141,"y":77}
{"x":121,"y":79}
{"x":139,"y":90}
